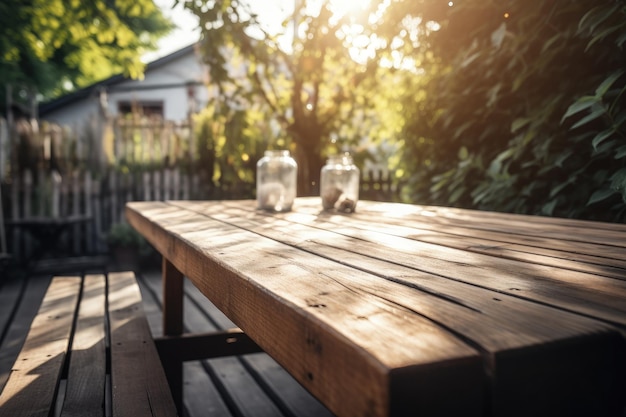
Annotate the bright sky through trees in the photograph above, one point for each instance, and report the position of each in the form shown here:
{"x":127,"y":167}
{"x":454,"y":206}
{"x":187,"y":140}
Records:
{"x":272,"y":12}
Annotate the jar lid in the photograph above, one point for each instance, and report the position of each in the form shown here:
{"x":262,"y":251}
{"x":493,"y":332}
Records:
{"x":344,"y":158}
{"x":277,"y":152}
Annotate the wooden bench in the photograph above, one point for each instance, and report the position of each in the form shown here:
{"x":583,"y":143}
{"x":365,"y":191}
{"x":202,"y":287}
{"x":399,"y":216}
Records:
{"x":89,"y":352}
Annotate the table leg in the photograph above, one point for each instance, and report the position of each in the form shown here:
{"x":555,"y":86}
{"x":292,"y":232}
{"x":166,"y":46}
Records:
{"x":173,"y":326}
{"x":172,"y":300}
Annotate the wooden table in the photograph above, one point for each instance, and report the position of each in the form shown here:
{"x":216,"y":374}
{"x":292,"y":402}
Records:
{"x":411,"y":310}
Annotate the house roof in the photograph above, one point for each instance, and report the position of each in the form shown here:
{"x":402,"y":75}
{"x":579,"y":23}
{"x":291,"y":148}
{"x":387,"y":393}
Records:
{"x":52,"y":105}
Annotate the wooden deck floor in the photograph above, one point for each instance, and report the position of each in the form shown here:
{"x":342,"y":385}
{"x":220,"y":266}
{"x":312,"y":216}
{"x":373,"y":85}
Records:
{"x":250,"y":385}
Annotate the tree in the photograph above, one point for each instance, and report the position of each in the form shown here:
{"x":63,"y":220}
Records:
{"x":524,"y":108}
{"x":52,"y":46}
{"x":314,"y":84}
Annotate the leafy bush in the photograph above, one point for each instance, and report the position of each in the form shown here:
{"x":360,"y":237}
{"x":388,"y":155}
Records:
{"x":124,"y":235}
{"x":525,"y":110}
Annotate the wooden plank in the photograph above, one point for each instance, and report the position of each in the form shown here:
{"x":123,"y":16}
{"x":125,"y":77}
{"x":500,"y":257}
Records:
{"x":500,"y":325}
{"x":322,"y":345}
{"x":509,"y":331}
{"x":173,"y":325}
{"x":240,"y":391}
{"x":98,"y":213}
{"x":32,"y":385}
{"x":558,"y":287}
{"x":16,"y":214}
{"x":268,"y":381}
{"x":173,"y":299}
{"x":228,"y":375}
{"x":89,"y":212}
{"x":205,"y":346}
{"x":139,"y":386}
{"x":15,"y":333}
{"x":148,"y":281}
{"x":77,"y":229}
{"x":84,"y":396}
{"x":602,"y":232}
{"x":265,"y":384}
{"x":213,"y":314}
{"x":425,"y":224}
{"x":201,"y":397}
{"x":11,"y":292}
{"x":283,"y":388}
{"x":582,"y":256}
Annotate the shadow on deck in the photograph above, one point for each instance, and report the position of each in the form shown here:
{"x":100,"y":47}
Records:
{"x":250,"y":385}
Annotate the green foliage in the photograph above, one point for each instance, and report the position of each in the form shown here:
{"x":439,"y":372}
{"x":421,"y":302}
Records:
{"x":525,"y":109}
{"x":318,"y":86}
{"x":46,"y":44}
{"x":123,"y":238}
{"x":229,"y":144}
{"x":124,"y":235}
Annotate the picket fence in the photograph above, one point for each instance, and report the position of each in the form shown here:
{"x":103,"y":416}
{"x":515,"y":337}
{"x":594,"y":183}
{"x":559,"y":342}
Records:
{"x":100,"y":202}
{"x":52,"y":173}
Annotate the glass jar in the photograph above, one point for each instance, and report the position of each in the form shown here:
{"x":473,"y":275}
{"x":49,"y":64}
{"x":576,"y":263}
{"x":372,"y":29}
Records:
{"x":339,"y":184}
{"x":276,"y":181}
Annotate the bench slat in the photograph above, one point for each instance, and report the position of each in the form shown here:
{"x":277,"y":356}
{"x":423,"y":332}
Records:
{"x":40,"y":363}
{"x":26,"y":307}
{"x":85,"y":393}
{"x":139,"y":386}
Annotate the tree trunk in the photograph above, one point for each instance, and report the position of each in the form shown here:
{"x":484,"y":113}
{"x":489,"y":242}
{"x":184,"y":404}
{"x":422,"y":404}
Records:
{"x":309,"y":161}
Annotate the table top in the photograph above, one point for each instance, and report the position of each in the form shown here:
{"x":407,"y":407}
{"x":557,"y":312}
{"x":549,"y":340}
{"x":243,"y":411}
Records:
{"x":403,"y":309}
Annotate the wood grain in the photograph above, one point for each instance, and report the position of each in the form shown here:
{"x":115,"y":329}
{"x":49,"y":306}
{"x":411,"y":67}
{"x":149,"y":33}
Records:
{"x":366,"y":297}
{"x":86,"y":378}
{"x":139,"y":387}
{"x":254,"y":281}
{"x":40,"y":363}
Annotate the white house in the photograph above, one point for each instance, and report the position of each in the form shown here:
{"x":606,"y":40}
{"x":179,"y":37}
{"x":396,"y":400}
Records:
{"x":173,"y":86}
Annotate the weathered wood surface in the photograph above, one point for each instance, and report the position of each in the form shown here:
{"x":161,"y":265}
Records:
{"x":38,"y":367}
{"x":85,"y":390}
{"x":252,"y":385}
{"x":51,"y":197}
{"x":138,"y":384}
{"x":63,"y":366}
{"x":401,"y":309}
{"x":245,"y":386}
{"x":19,"y":302}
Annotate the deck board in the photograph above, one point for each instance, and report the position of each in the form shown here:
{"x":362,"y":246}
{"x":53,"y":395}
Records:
{"x":85,"y":392}
{"x":40,"y":362}
{"x":16,"y":330}
{"x":251,"y":385}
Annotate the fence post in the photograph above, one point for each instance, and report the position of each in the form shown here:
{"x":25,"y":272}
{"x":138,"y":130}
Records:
{"x":86,"y":196}
{"x":113,"y":196}
{"x":185,"y":186}
{"x":56,"y":194}
{"x":167,"y":183}
{"x":27,"y":194}
{"x":156,"y":176}
{"x":97,"y":214}
{"x":76,"y":194}
{"x":146,"y":186}
{"x":127,"y":184}
{"x":4,"y":148}
{"x":16,"y":190}
{"x":176,"y":180}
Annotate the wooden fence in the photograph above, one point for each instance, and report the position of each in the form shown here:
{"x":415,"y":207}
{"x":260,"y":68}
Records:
{"x":59,"y":176}
{"x":99,"y":203}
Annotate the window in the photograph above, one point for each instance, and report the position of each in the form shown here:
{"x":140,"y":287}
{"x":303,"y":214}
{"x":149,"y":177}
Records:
{"x":142,"y":108}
